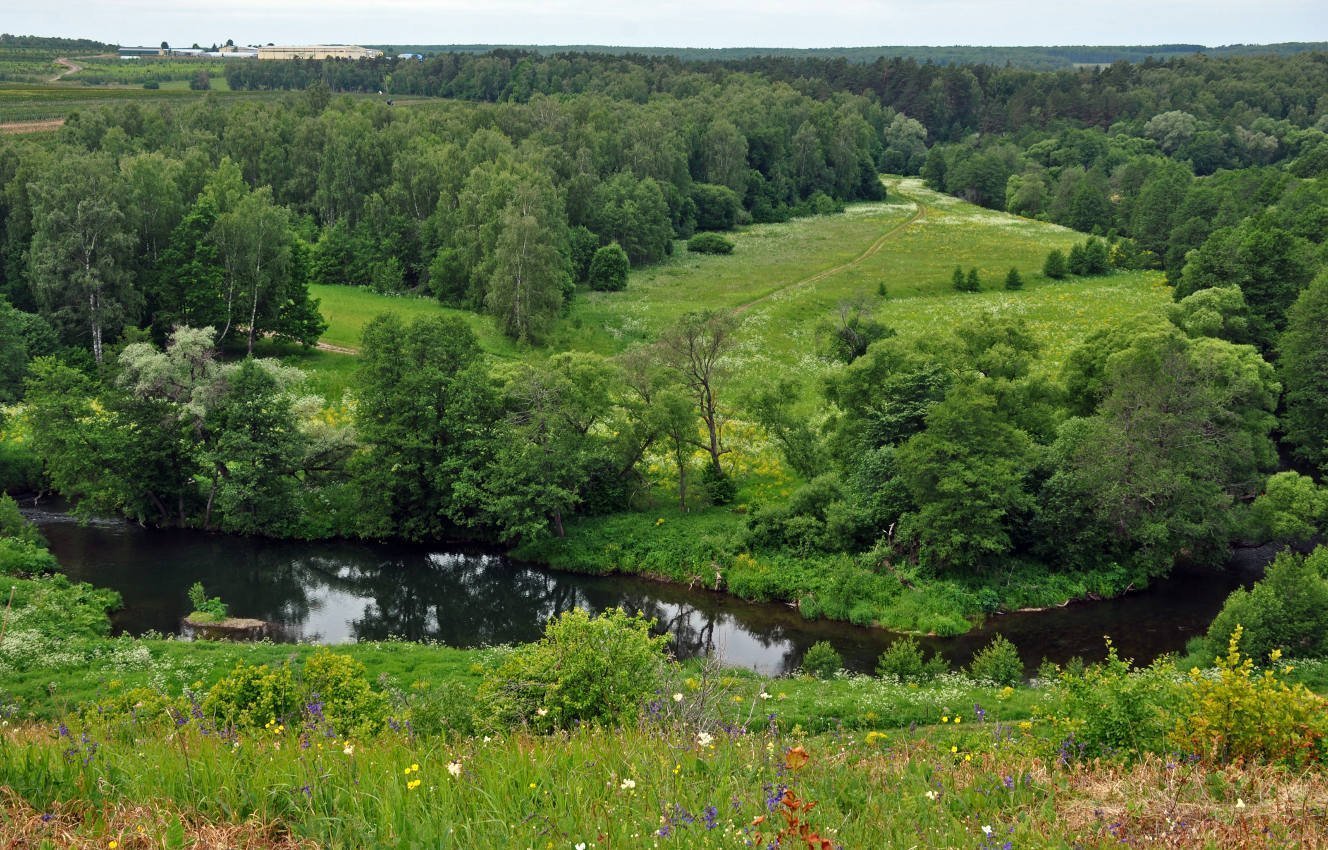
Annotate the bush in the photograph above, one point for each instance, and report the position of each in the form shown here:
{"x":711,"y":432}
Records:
{"x":584,"y":670}
{"x":338,"y":683}
{"x":253,"y":695}
{"x":16,"y":526}
{"x":1237,"y":716}
{"x":717,"y":207}
{"x":904,"y":660}
{"x":21,"y":559}
{"x":822,"y":660}
{"x":1292,"y":507}
{"x":718,"y":486}
{"x":998,"y":663}
{"x":1110,"y":708}
{"x":1013,"y":281}
{"x":1055,"y":266}
{"x":207,"y":609}
{"x":1286,"y":610}
{"x":608,"y":269}
{"x":709,"y":243}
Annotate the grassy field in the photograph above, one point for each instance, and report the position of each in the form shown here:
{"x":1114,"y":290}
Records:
{"x":786,"y":280}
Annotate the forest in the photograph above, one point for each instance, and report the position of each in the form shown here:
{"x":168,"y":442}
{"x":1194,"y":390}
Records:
{"x":155,"y":255}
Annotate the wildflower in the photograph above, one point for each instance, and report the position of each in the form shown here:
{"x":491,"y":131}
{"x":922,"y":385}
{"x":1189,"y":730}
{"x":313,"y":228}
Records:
{"x":533,"y":786}
{"x":945,"y":719}
{"x":1240,"y":804}
{"x":764,"y":695}
{"x":412,"y":785}
{"x":930,"y":795}
{"x":454,"y":768}
{"x":954,"y":749}
{"x":580,"y":845}
{"x":628,"y":785}
{"x":704,"y":739}
{"x":114,"y":844}
{"x":711,"y":817}
{"x":541,"y":712}
{"x":677,"y":697}
{"x":986,"y":830}
{"x":349,"y":749}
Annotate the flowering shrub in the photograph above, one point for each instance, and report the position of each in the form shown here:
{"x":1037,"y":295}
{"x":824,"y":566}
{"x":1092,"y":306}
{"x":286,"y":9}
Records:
{"x":252,"y":696}
{"x":584,"y":670}
{"x":338,"y":682}
{"x":1233,"y":715}
{"x":1109,"y":708}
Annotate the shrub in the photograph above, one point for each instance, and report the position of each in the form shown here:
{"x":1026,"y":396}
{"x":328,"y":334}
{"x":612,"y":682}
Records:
{"x":718,"y":485}
{"x":905,"y":661}
{"x":1055,"y":266}
{"x":717,"y":207}
{"x":1110,"y":708}
{"x":21,"y":559}
{"x":252,"y":695}
{"x":822,"y":660}
{"x":1236,"y":716}
{"x":14,"y":525}
{"x":957,"y":279}
{"x":338,"y":683}
{"x":584,"y":670}
{"x":998,"y":663}
{"x":972,"y":283}
{"x":1286,"y":610}
{"x":1013,"y":281}
{"x":1292,"y":507}
{"x":709,"y":243}
{"x":207,"y":609}
{"x":608,"y":269}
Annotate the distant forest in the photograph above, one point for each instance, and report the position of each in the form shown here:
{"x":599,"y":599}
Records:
{"x":1040,"y":58}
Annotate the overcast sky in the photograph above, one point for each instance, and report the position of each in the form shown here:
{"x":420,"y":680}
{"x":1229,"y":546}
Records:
{"x":685,"y":23}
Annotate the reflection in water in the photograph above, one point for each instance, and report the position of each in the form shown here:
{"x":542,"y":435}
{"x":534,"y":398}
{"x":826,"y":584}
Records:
{"x":341,"y":591}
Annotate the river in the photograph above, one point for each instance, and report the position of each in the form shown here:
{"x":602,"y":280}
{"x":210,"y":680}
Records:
{"x":338,"y":592}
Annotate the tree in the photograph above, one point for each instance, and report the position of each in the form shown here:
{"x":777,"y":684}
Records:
{"x":1303,"y":368}
{"x":426,"y":412}
{"x":1055,"y":266}
{"x":1181,"y":432}
{"x":633,"y":213}
{"x":530,"y":273}
{"x":957,"y":280}
{"x":724,"y":155}
{"x":853,"y":331}
{"x":972,"y":283}
{"x":79,"y":256}
{"x":1287,"y":609}
{"x":13,"y":353}
{"x":970,"y":476}
{"x":717,"y":207}
{"x":254,"y":245}
{"x":608,"y":269}
{"x":695,"y":348}
{"x":1013,"y":281}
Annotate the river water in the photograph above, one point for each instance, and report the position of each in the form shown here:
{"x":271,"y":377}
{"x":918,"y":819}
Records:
{"x":337,"y":592}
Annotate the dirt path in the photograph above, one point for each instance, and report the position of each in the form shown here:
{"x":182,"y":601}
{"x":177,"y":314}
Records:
{"x":69,"y":68}
{"x":335,"y":349}
{"x":875,"y":247}
{"x":16,"y":127}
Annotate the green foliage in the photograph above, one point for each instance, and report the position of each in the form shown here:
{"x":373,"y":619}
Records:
{"x":1090,"y":258}
{"x":1013,"y":280}
{"x":608,"y":269}
{"x":1291,"y":508}
{"x":253,"y":695}
{"x":15,"y":526}
{"x":822,"y":660}
{"x":206,"y":609}
{"x":1238,"y":716}
{"x":1303,"y":369}
{"x":905,"y":661}
{"x":24,"y":558}
{"x":717,"y":207}
{"x":709,"y":243}
{"x":596,"y":670}
{"x":1112,"y":708}
{"x":720,"y":488}
{"x":339,"y":684}
{"x":998,"y":663}
{"x":1285,"y":611}
{"x":1055,"y":266}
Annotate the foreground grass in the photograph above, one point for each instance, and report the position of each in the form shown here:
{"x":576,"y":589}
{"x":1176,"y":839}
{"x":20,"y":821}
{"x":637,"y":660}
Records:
{"x":982,"y":784}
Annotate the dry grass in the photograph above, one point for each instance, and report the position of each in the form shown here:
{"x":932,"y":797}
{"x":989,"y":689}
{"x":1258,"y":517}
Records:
{"x":77,"y":825}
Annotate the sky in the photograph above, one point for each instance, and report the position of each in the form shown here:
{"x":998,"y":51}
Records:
{"x":680,"y":23}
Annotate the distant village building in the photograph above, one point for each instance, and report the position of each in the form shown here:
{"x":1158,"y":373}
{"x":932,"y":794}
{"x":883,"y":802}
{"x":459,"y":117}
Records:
{"x":318,"y":51}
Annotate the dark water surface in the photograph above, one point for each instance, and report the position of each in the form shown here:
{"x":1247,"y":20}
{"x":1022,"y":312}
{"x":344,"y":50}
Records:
{"x":343,"y":592}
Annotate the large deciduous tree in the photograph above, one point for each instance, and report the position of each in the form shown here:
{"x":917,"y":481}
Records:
{"x":80,"y":250}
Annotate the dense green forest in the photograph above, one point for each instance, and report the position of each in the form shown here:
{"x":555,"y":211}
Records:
{"x":147,"y":248}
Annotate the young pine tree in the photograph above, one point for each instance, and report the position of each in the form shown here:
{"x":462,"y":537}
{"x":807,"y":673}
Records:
{"x":958,"y":279}
{"x":1055,"y":267}
{"x":972,"y":283}
{"x":1013,"y":281}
